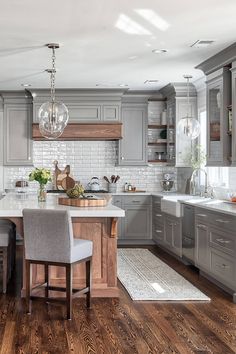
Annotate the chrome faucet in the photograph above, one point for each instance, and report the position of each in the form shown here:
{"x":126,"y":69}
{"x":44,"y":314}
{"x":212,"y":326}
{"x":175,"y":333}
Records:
{"x":193,"y":184}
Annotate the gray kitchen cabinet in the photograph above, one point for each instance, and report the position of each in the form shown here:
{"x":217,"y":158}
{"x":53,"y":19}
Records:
{"x":157,"y":221}
{"x":178,"y":148}
{"x":216,"y":246}
{"x":135,"y":227}
{"x":83,"y":105}
{"x":219,"y":144}
{"x":137,"y":222}
{"x":133,"y":146}
{"x":233,"y":113}
{"x":173,"y":236}
{"x":202,"y":252}
{"x":18,"y":147}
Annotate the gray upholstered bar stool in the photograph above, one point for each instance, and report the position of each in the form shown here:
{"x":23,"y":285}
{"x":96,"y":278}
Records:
{"x":7,"y":250}
{"x":48,"y":240}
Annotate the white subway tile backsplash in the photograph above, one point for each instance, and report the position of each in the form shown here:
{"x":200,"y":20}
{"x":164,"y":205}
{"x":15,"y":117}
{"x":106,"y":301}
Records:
{"x":88,"y":159}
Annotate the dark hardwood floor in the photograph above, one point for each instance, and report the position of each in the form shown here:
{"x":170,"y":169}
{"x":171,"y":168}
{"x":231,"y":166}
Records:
{"x":120,"y":325}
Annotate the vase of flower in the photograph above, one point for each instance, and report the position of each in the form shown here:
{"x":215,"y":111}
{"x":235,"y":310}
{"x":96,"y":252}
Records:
{"x":42,"y":176}
{"x":42,"y":193}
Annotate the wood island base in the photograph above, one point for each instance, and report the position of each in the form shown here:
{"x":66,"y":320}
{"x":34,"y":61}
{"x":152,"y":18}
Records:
{"x":103,"y":232}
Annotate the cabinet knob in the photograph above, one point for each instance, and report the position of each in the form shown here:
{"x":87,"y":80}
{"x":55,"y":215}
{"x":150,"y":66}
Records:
{"x":122,"y":158}
{"x":29,"y":158}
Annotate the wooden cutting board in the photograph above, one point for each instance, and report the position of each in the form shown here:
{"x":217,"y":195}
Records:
{"x":82,"y":202}
{"x":67,"y":182}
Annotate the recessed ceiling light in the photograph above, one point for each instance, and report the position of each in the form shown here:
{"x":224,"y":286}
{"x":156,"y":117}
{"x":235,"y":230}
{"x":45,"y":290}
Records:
{"x":159,"y":51}
{"x":132,"y":57}
{"x":151,"y":81}
{"x":202,"y":43}
{"x":25,"y":85}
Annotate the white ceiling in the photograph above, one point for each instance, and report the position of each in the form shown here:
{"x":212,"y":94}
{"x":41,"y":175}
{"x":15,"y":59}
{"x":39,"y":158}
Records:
{"x":95,"y":45}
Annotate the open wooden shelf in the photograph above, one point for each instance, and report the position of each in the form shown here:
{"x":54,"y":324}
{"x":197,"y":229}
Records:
{"x":156,"y":144}
{"x":157,"y":161}
{"x":157,"y":126}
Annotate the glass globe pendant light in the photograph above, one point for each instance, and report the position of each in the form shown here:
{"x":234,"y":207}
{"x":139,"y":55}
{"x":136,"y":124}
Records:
{"x":188,"y":127}
{"x":53,"y":115}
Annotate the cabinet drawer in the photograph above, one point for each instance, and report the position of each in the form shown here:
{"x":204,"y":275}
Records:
{"x":137,"y":200}
{"x":117,"y":200}
{"x":156,"y":202}
{"x":224,"y":267}
{"x":223,"y":240}
{"x":220,"y":220}
{"x":158,"y":232}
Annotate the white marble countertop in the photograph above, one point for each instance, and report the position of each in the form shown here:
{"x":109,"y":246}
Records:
{"x":13,"y":204}
{"x":213,"y":204}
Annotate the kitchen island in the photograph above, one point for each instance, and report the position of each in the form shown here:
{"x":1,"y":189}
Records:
{"x":98,"y":224}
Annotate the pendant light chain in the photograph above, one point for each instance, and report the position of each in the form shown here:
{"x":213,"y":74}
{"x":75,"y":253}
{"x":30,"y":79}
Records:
{"x":53,"y":115}
{"x":53,"y":75}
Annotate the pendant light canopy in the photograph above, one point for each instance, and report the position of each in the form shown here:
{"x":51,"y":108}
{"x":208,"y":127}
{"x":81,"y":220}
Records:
{"x":53,"y":115}
{"x":188,"y":127}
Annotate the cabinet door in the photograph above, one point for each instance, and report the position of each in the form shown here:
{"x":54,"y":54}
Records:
{"x":218,"y":99}
{"x":168,"y":232}
{"x":133,"y":146}
{"x":171,"y":114}
{"x":177,"y":238}
{"x":184,"y":146}
{"x":202,"y":253}
{"x":137,"y":222}
{"x":17,"y":135}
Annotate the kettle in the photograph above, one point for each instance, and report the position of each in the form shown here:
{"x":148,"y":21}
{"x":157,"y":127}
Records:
{"x":94,"y":184}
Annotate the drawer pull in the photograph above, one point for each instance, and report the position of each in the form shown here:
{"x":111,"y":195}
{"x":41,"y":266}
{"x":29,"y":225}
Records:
{"x":170,"y":223}
{"x":202,"y":215}
{"x":224,"y":266}
{"x":158,"y":203}
{"x":202,"y":227}
{"x":159,"y":231}
{"x":222,"y":221}
{"x":159,"y":215}
{"x":221,"y":240}
{"x":136,"y":201}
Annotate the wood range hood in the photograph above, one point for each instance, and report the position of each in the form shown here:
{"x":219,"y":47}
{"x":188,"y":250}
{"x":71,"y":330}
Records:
{"x":85,"y":131}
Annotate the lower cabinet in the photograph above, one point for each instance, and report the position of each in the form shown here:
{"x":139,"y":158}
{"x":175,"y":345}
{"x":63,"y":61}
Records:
{"x":136,"y":225}
{"x":202,"y":250}
{"x":215,"y":251}
{"x":173,"y":235}
{"x":166,"y":230}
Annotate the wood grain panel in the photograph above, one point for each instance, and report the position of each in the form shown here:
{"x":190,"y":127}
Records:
{"x":85,"y":131}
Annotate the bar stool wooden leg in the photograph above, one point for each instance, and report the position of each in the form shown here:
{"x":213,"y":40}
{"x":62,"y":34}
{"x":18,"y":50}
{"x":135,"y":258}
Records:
{"x":4,"y":269}
{"x":46,"y":279}
{"x":88,"y":282}
{"x":28,"y":285}
{"x":69,"y":291}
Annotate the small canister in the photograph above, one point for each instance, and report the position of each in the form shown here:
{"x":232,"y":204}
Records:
{"x":163,"y":118}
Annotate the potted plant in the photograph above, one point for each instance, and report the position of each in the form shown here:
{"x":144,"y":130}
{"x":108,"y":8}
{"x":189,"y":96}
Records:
{"x":42,"y":176}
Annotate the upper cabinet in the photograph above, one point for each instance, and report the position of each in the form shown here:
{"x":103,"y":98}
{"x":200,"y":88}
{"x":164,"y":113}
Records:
{"x":178,"y":150}
{"x":220,"y":71}
{"x":83,"y":105}
{"x":133,"y":146}
{"x":218,"y":131}
{"x":17,"y":129}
